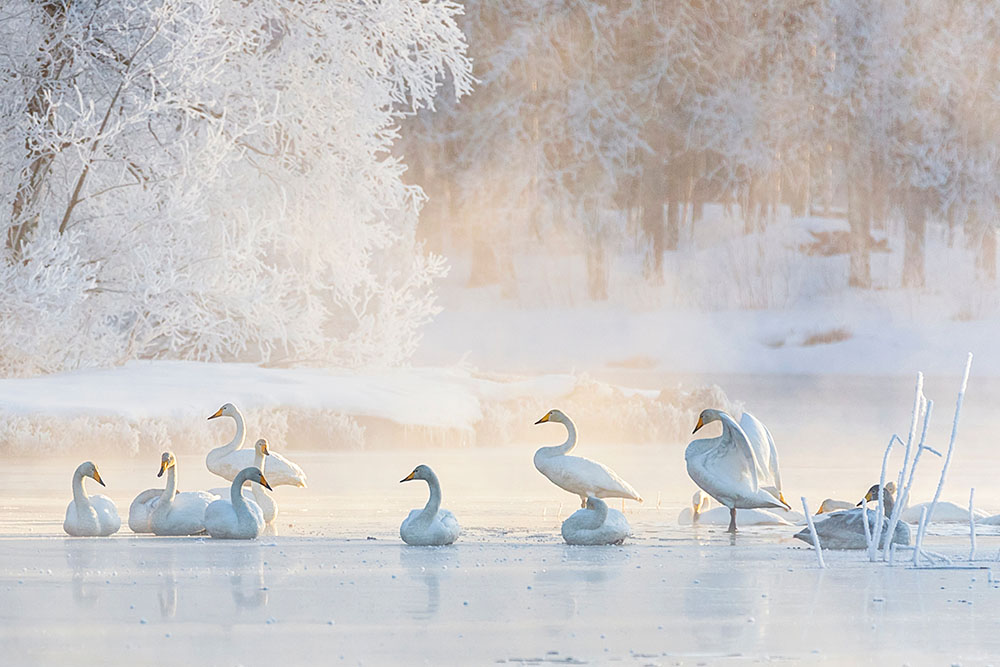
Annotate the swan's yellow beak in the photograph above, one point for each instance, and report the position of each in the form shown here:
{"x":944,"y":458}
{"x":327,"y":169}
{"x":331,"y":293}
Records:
{"x":545,"y":418}
{"x":264,"y":450}
{"x":163,"y":468}
{"x":781,"y":497}
{"x":820,"y":510}
{"x":701,"y":422}
{"x":263,"y":482}
{"x":218,"y":413}
{"x":97,"y":478}
{"x":408,"y":477}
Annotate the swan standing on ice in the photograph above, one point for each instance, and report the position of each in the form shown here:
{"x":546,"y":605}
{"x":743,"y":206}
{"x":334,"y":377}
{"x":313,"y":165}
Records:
{"x":178,"y":513}
{"x":576,"y":474}
{"x":728,"y":467}
{"x":238,"y":518}
{"x":90,"y":516}
{"x":596,"y":524}
{"x":263,"y":499}
{"x":846,"y":530}
{"x":700,"y":514}
{"x":227,"y":461}
{"x":431,"y":526}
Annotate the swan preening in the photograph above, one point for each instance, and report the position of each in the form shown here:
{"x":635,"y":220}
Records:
{"x":596,"y":524}
{"x":90,"y":516}
{"x":238,"y":518}
{"x":738,"y":468}
{"x":845,"y":529}
{"x":700,"y":514}
{"x":229,"y":460}
{"x":576,"y":474}
{"x":177,"y":513}
{"x":430,"y":526}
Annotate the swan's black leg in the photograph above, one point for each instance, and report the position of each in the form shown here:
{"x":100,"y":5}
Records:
{"x":732,"y":520}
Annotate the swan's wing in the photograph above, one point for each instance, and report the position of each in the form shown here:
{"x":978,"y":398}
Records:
{"x":277,"y":469}
{"x":739,"y":443}
{"x":763,"y":446}
{"x":582,"y":476}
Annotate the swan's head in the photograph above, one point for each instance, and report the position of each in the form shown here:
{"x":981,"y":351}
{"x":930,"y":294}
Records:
{"x":88,"y":469}
{"x":255,"y":475}
{"x":699,"y":502}
{"x":166,"y":461}
{"x":227,"y":410}
{"x":707,"y":417}
{"x":827,"y":506}
{"x":553,"y":416}
{"x":420,"y":472}
{"x":872,"y":495}
{"x":261,"y":447}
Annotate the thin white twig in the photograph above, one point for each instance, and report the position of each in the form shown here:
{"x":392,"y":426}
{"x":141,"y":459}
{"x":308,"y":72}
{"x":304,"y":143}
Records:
{"x":815,"y":536}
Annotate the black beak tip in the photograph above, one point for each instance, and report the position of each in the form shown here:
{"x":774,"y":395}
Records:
{"x":159,"y":474}
{"x":538,"y":422}
{"x":860,"y":503}
{"x":101,"y":482}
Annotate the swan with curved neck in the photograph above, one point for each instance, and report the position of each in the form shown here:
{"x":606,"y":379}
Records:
{"x":430,"y":526}
{"x":90,"y":516}
{"x":178,"y":513}
{"x":728,"y":469}
{"x":227,"y":461}
{"x":700,"y":513}
{"x":596,"y":524}
{"x":846,"y":529}
{"x":263,"y":499}
{"x":576,"y":474}
{"x":238,"y":518}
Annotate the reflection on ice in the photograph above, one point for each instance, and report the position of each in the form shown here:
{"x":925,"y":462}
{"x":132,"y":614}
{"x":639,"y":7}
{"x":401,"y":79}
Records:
{"x":427,"y":564}
{"x":81,"y":556}
{"x":246,"y":576}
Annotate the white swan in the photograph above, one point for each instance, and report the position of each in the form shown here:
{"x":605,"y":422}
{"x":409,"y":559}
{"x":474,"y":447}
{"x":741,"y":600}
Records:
{"x":728,"y":469}
{"x":263,"y":499}
{"x":90,"y":516}
{"x":178,"y":513}
{"x":430,"y":526}
{"x":830,"y":505}
{"x":237,"y":518}
{"x":576,"y":474}
{"x":846,"y":529}
{"x":596,"y":524}
{"x":227,"y":461}
{"x":699,"y":513}
{"x":141,"y":509}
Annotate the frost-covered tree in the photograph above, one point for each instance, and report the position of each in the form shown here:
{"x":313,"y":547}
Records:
{"x":212,"y":180}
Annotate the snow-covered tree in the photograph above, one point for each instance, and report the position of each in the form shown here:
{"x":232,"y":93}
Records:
{"x":212,"y":180}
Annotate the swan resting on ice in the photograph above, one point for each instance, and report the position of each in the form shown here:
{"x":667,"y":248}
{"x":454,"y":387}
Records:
{"x":700,"y":514}
{"x":178,"y":513}
{"x":576,"y":474}
{"x":90,"y":516}
{"x":227,"y":461}
{"x":430,"y":526}
{"x":596,"y":524}
{"x":238,"y":518}
{"x":738,"y":469}
{"x":846,"y":529}
{"x":263,"y":499}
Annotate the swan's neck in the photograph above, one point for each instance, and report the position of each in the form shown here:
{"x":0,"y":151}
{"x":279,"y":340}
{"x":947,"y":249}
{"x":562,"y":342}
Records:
{"x":170,"y":490}
{"x":236,"y":494}
{"x":79,"y":495}
{"x":434,"y":501}
{"x":600,"y":511}
{"x":237,"y":441}
{"x":567,"y":446}
{"x":259,"y":493}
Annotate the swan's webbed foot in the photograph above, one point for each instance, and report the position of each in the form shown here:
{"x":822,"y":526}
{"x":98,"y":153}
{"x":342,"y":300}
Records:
{"x":732,"y":520}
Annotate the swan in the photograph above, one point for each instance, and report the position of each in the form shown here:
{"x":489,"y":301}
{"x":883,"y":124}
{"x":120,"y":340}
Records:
{"x":575,"y":473}
{"x":728,"y":469}
{"x":846,"y":530}
{"x":830,"y":505}
{"x":141,"y":509}
{"x":237,"y":518}
{"x":596,"y":524}
{"x":263,"y":499}
{"x":227,"y":461}
{"x":178,"y":513}
{"x":699,"y":513}
{"x":431,"y":526}
{"x":90,"y":516}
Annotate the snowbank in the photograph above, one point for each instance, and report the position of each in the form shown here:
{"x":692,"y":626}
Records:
{"x":163,"y":404}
